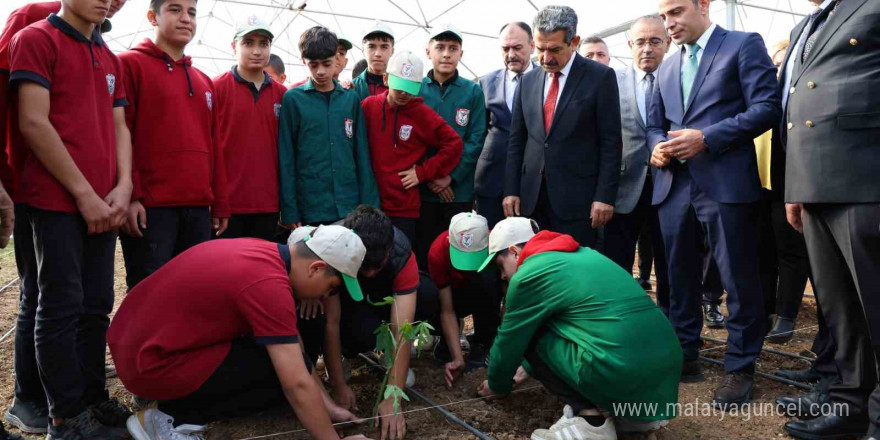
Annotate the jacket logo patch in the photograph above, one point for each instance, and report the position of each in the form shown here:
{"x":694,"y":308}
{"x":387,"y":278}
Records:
{"x":111,"y":83}
{"x":349,"y":128}
{"x":405,"y":132}
{"x":462,"y":116}
{"x":277,"y":111}
{"x":466,"y":240}
{"x":208,"y":97}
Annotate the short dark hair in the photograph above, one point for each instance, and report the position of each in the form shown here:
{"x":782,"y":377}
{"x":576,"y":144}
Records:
{"x":306,"y":253}
{"x":381,"y":36}
{"x":376,"y":232}
{"x":520,"y":24}
{"x":156,"y":5}
{"x":358,"y":68}
{"x":594,"y":39}
{"x":446,"y":36}
{"x":318,"y":43}
{"x":276,"y":63}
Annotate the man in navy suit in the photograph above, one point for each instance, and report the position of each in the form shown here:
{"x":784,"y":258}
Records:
{"x":709,"y":102}
{"x":499,"y":87}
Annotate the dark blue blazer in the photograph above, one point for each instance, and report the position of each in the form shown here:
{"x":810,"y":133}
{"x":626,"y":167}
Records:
{"x":733,"y":100}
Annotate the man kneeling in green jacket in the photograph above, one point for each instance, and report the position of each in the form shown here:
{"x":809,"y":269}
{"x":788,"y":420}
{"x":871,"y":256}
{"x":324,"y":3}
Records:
{"x":584,"y":328}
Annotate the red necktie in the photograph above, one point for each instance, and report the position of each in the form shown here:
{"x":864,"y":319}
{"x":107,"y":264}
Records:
{"x":550,"y":102}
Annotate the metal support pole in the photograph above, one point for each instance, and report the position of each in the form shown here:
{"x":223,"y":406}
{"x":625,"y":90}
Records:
{"x":731,"y":14}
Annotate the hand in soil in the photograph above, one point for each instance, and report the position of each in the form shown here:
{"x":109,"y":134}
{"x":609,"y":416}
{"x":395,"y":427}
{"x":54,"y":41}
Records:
{"x":520,"y":377}
{"x":453,"y":372}
{"x":485,"y":391}
{"x":345,"y":397}
{"x":391,"y":426}
{"x":339,"y":414}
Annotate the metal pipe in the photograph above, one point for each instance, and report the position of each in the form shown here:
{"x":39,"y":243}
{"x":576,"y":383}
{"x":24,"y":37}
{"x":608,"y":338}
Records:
{"x":8,"y":285}
{"x":445,"y":413}
{"x":765,"y":375}
{"x":768,"y":350}
{"x":731,"y":14}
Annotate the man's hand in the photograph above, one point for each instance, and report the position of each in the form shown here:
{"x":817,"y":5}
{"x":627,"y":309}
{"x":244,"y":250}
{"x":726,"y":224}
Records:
{"x":453,"y":371}
{"x":7,"y":217}
{"x":794,"y":213}
{"x":119,"y":199}
{"x":136,"y":219}
{"x":290,"y":226}
{"x":443,"y":188}
{"x":511,"y":206}
{"x":684,"y":144}
{"x":219,"y":225}
{"x":484,"y":391}
{"x":658,"y":158}
{"x":339,"y":414}
{"x":347,"y":85}
{"x":310,"y":308}
{"x":601,"y":213}
{"x":520,"y":377}
{"x":345,"y":397}
{"x":409,"y":178}
{"x":96,"y":212}
{"x":391,"y":427}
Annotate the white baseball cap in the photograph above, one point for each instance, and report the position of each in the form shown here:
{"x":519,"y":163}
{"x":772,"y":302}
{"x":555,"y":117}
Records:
{"x":298,"y":234}
{"x":343,"y":250}
{"x":509,"y":232}
{"x":447,"y":29}
{"x":405,"y":71}
{"x":468,"y":240}
{"x":378,"y":27}
{"x":253,"y":24}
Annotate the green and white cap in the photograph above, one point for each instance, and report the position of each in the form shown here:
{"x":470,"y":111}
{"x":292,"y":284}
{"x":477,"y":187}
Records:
{"x":447,"y":29}
{"x":378,"y":27}
{"x":468,"y":240}
{"x":251,"y":25}
{"x":345,"y":42}
{"x":405,"y":71}
{"x":509,"y":232}
{"x":343,"y":250}
{"x":299,"y":234}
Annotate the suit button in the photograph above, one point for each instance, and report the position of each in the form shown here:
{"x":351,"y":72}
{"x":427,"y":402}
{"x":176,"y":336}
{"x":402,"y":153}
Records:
{"x":810,"y":124}
{"x":791,"y":91}
{"x":853,"y":42}
{"x":790,"y":125}
{"x":546,"y":146}
{"x":811,"y":85}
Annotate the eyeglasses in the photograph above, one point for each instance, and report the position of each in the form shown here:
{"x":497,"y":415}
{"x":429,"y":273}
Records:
{"x":654,"y":42}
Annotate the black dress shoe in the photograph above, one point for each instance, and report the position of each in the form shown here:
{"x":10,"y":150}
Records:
{"x":691,"y":371}
{"x":808,"y":375}
{"x":782,"y":330}
{"x":803,"y":406}
{"x":828,"y":427}
{"x":735,"y":390}
{"x":712,"y":315}
{"x":646,"y":284}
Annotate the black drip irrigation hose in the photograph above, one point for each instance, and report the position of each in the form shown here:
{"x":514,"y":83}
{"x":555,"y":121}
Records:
{"x":765,"y":375}
{"x":445,"y":413}
{"x":768,"y":350}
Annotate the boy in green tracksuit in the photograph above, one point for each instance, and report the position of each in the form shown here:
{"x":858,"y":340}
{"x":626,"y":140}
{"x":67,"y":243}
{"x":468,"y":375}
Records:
{"x":461,"y":104}
{"x":587,"y":332}
{"x":378,"y":45}
{"x":322,"y":142}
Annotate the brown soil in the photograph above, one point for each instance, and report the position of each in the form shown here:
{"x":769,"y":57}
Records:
{"x":512,"y":418}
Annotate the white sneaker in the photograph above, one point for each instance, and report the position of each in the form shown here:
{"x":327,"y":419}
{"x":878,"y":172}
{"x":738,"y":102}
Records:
{"x":631,"y":426}
{"x":410,"y":378}
{"x":152,"y":424}
{"x":576,"y":428}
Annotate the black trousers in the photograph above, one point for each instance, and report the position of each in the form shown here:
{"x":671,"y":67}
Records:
{"x":407,"y":226}
{"x":624,"y":231}
{"x":794,"y":265}
{"x":28,"y":387}
{"x":843,"y":241}
{"x":480,"y":296}
{"x":434,"y":218}
{"x":260,"y":226}
{"x":491,"y":208}
{"x":580,"y":229}
{"x":67,"y":321}
{"x":169,"y":232}
{"x":245,"y":383}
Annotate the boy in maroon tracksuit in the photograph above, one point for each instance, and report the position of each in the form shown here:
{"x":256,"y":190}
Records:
{"x":179,"y":174}
{"x":400,"y":129}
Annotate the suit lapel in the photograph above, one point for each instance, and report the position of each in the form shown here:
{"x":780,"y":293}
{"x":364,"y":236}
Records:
{"x":705,"y":63}
{"x":671,"y":90}
{"x":574,"y":77}
{"x":844,"y":10}
{"x":632,"y":81}
{"x":500,"y":87}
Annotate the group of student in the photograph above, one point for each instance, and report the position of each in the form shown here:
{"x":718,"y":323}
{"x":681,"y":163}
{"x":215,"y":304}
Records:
{"x":339,"y":196}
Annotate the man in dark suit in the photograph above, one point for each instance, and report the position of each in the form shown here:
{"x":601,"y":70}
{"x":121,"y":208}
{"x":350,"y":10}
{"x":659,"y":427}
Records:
{"x":832,"y":193}
{"x":563,"y":161}
{"x":499,"y":87}
{"x":710,"y":101}
{"x":648,"y":42}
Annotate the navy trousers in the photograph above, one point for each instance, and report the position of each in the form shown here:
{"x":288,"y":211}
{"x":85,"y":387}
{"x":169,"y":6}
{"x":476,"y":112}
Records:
{"x":731,"y":230}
